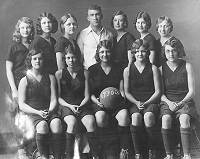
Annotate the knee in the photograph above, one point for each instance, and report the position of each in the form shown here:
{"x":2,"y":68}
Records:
{"x":56,"y":126}
{"x":123,"y":117}
{"x":166,"y":121}
{"x":101,"y":118}
{"x":89,"y":123}
{"x":184,"y":120}
{"x":136,"y":119}
{"x":149,"y":119}
{"x":42,"y":127}
{"x":70,"y":121}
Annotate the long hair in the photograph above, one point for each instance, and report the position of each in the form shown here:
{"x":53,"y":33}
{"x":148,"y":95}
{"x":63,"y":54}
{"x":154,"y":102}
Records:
{"x":51,"y":18}
{"x":16,"y":34}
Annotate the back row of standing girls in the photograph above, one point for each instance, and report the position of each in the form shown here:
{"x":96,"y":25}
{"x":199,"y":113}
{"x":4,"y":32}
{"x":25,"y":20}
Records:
{"x":140,"y":77}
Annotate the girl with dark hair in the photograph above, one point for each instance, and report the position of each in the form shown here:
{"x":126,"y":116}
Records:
{"x":15,"y":68}
{"x":123,"y":40}
{"x":45,"y":26}
{"x":177,"y":98}
{"x":105,"y":74}
{"x":164,"y":27}
{"x":68,"y":26}
{"x":142,"y":89}
{"x":37,"y":98}
{"x":143,"y":24}
{"x":73,"y":89}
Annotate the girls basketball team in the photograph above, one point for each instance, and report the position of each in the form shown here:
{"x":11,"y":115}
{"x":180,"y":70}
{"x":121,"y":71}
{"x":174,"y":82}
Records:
{"x":157,"y":85}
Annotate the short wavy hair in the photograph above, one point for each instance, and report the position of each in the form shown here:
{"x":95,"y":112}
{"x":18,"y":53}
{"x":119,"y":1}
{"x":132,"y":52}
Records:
{"x":106,"y":44}
{"x":144,"y":15}
{"x":64,"y":18}
{"x":51,"y":18}
{"x":164,"y":18}
{"x":31,"y":53}
{"x":124,"y":16}
{"x":176,"y":44}
{"x":16,"y":34}
{"x":137,"y":44}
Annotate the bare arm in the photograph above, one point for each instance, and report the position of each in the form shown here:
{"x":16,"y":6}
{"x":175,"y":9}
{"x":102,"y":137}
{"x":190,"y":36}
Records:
{"x":22,"y":98}
{"x":157,"y":86}
{"x":81,"y":45}
{"x":59,"y":59}
{"x":10,"y":76}
{"x":152,"y":56}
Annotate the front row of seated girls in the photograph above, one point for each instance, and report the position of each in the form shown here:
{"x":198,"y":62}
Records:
{"x":141,"y":85}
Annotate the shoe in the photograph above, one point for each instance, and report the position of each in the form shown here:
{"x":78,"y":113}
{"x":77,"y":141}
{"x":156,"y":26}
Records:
{"x":152,"y":154}
{"x":124,"y":154}
{"x":187,"y":157}
{"x":171,"y":156}
{"x":138,"y":156}
{"x":95,"y":157}
{"x":22,"y":154}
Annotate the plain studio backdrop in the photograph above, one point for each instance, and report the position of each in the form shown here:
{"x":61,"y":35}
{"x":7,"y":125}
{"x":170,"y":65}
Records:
{"x":185,"y":15}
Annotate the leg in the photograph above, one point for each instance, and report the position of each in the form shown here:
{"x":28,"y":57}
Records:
{"x":90,"y":124}
{"x":42,"y":138}
{"x":167,"y":135}
{"x":136,"y":130}
{"x":57,"y":137}
{"x":124,"y":132}
{"x":71,"y":122}
{"x":185,"y":130}
{"x":101,"y":119}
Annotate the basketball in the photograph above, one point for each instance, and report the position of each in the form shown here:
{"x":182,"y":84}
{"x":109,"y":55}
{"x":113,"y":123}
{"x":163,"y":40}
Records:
{"x":110,"y":97}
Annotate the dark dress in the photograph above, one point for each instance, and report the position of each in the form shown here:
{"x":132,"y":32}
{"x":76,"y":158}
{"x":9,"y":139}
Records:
{"x":38,"y":96}
{"x":73,"y":92}
{"x":50,"y":64}
{"x":142,"y":87}
{"x":120,"y":49}
{"x":99,"y":81}
{"x":175,"y":89}
{"x":17,"y":55}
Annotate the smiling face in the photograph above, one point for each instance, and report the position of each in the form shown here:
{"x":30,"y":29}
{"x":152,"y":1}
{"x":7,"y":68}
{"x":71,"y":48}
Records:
{"x":94,"y":17}
{"x":71,"y":60}
{"x":37,"y":61}
{"x":104,"y":54}
{"x":46,"y":25}
{"x":118,"y":22}
{"x":141,"y":25}
{"x":141,"y":54}
{"x":24,"y":29}
{"x":171,"y":53}
{"x":164,"y":28}
{"x":70,"y":26}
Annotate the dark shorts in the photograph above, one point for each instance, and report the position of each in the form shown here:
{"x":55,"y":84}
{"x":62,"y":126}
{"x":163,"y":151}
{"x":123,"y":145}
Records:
{"x":154,"y":108}
{"x":113,"y":112}
{"x":188,"y":108}
{"x":36,"y":118}
{"x":65,"y":111}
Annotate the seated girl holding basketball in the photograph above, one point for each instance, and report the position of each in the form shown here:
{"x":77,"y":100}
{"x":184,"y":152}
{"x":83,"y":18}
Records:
{"x":73,"y":90}
{"x":142,"y":89}
{"x":37,"y":98}
{"x":105,"y":74}
{"x":177,"y":98}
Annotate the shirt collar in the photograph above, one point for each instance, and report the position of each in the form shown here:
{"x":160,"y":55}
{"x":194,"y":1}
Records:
{"x":90,"y":29}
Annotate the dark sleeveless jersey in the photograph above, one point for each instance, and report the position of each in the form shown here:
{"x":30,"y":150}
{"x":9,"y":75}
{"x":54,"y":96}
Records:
{"x":38,"y":94}
{"x":175,"y":83}
{"x":72,"y":90}
{"x":99,"y":80}
{"x":141,"y":84}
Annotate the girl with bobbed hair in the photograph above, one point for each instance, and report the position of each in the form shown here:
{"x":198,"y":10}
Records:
{"x":123,"y":40}
{"x":46,"y":25}
{"x":15,"y":63}
{"x":177,"y":99}
{"x":164,"y":27}
{"x":37,"y":98}
{"x":105,"y":74}
{"x":68,"y":26}
{"x":142,"y":90}
{"x":143,"y":24}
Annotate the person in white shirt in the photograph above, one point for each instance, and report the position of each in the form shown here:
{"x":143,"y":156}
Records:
{"x":89,"y":38}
